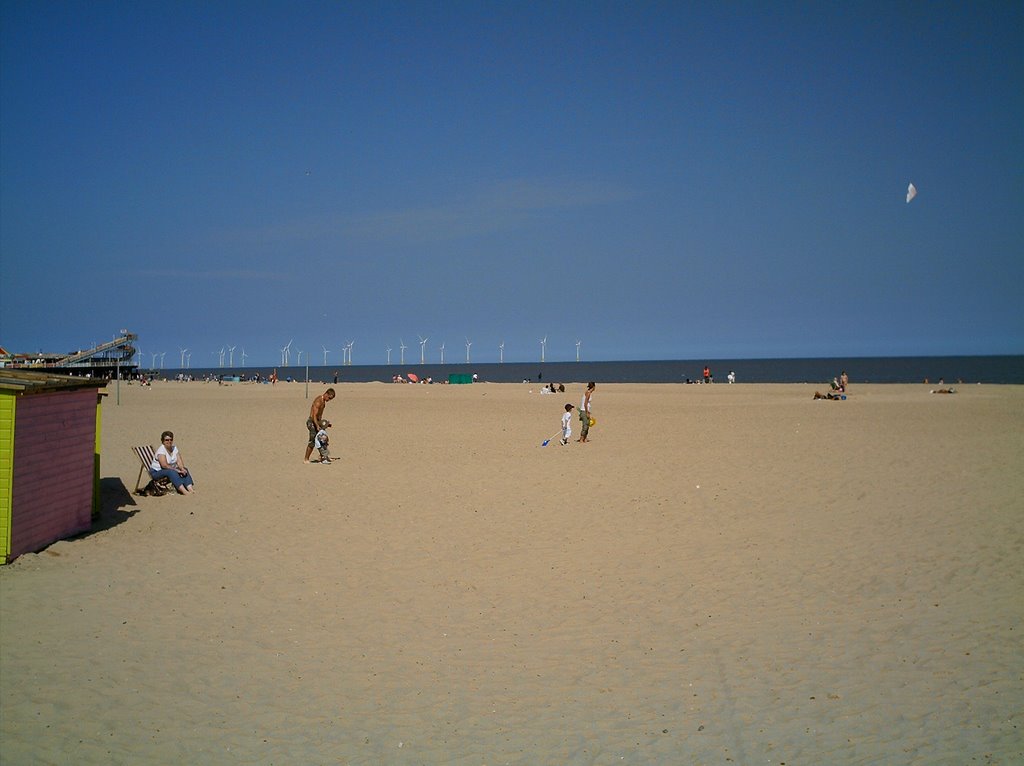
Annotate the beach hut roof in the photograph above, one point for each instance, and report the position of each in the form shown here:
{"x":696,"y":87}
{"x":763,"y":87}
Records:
{"x":32,"y":382}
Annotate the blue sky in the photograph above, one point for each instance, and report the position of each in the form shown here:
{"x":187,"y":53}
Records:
{"x":656,"y":180}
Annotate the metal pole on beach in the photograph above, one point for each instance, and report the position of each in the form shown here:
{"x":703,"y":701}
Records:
{"x":307,"y":377}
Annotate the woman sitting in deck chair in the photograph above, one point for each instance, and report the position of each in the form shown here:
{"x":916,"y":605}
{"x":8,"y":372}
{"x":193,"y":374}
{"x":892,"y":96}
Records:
{"x":168,"y":463}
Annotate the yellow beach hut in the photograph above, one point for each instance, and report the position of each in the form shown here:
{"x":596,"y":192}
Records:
{"x":49,"y":458}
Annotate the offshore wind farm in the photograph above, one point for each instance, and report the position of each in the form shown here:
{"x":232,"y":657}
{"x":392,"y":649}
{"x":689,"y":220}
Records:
{"x":569,"y":365}
{"x":124,"y":357}
{"x":226,"y":361}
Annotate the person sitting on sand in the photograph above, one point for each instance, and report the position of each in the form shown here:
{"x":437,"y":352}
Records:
{"x":943,"y":391}
{"x":829,"y":395}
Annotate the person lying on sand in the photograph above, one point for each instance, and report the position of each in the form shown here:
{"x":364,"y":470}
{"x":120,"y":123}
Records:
{"x":829,"y":395}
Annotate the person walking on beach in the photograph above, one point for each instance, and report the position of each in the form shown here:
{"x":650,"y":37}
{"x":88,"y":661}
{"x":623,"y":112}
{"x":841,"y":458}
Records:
{"x":844,"y":381}
{"x":567,"y":424}
{"x":585,"y":412}
{"x":313,"y":423}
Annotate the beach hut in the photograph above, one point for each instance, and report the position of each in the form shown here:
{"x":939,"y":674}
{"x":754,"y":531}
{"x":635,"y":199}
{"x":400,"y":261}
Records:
{"x":49,"y":458}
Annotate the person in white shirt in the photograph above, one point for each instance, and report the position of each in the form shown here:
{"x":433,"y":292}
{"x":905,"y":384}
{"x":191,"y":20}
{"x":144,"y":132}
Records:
{"x":167,"y":462}
{"x":567,"y":424}
{"x":585,"y":404}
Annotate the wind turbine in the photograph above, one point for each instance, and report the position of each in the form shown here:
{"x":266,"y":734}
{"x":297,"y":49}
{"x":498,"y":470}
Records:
{"x":231,"y":356}
{"x":468,"y":344}
{"x":183,"y":352}
{"x":298,"y":358}
{"x":578,"y":350}
{"x":286,"y":354}
{"x":423,"y":348}
{"x":403,"y":347}
{"x":220,"y":359}
{"x":152,"y":362}
{"x":389,"y":355}
{"x":243,"y":356}
{"x":351,"y":343}
{"x":501,"y":352}
{"x":325,"y":354}
{"x":162,"y":354}
{"x":543,"y":347}
{"x":442,"y":353}
{"x":188,"y":357}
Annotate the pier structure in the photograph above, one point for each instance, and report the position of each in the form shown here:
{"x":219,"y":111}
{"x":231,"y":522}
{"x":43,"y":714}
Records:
{"x":110,"y":359}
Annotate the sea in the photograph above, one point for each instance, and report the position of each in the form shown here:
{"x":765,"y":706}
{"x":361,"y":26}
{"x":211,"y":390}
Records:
{"x":908,"y":369}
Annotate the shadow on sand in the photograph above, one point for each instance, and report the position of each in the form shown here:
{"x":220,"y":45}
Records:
{"x":116,"y":506}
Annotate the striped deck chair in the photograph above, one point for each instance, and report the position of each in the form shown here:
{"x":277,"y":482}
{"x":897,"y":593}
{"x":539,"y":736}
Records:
{"x":145,"y":453}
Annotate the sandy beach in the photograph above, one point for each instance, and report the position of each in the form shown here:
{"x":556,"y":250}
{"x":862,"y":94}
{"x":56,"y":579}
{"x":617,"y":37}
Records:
{"x":724,"y":574}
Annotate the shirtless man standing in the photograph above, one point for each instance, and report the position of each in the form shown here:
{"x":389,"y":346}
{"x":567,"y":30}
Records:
{"x":316,"y":412}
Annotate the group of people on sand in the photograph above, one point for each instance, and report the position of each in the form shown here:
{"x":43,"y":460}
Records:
{"x":708,"y":377}
{"x":585,"y":416}
{"x":317,"y":425}
{"x":838,"y":392}
{"x":168,"y":462}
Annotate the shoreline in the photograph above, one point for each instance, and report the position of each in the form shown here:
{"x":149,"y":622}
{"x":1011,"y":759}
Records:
{"x":1001,"y":369}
